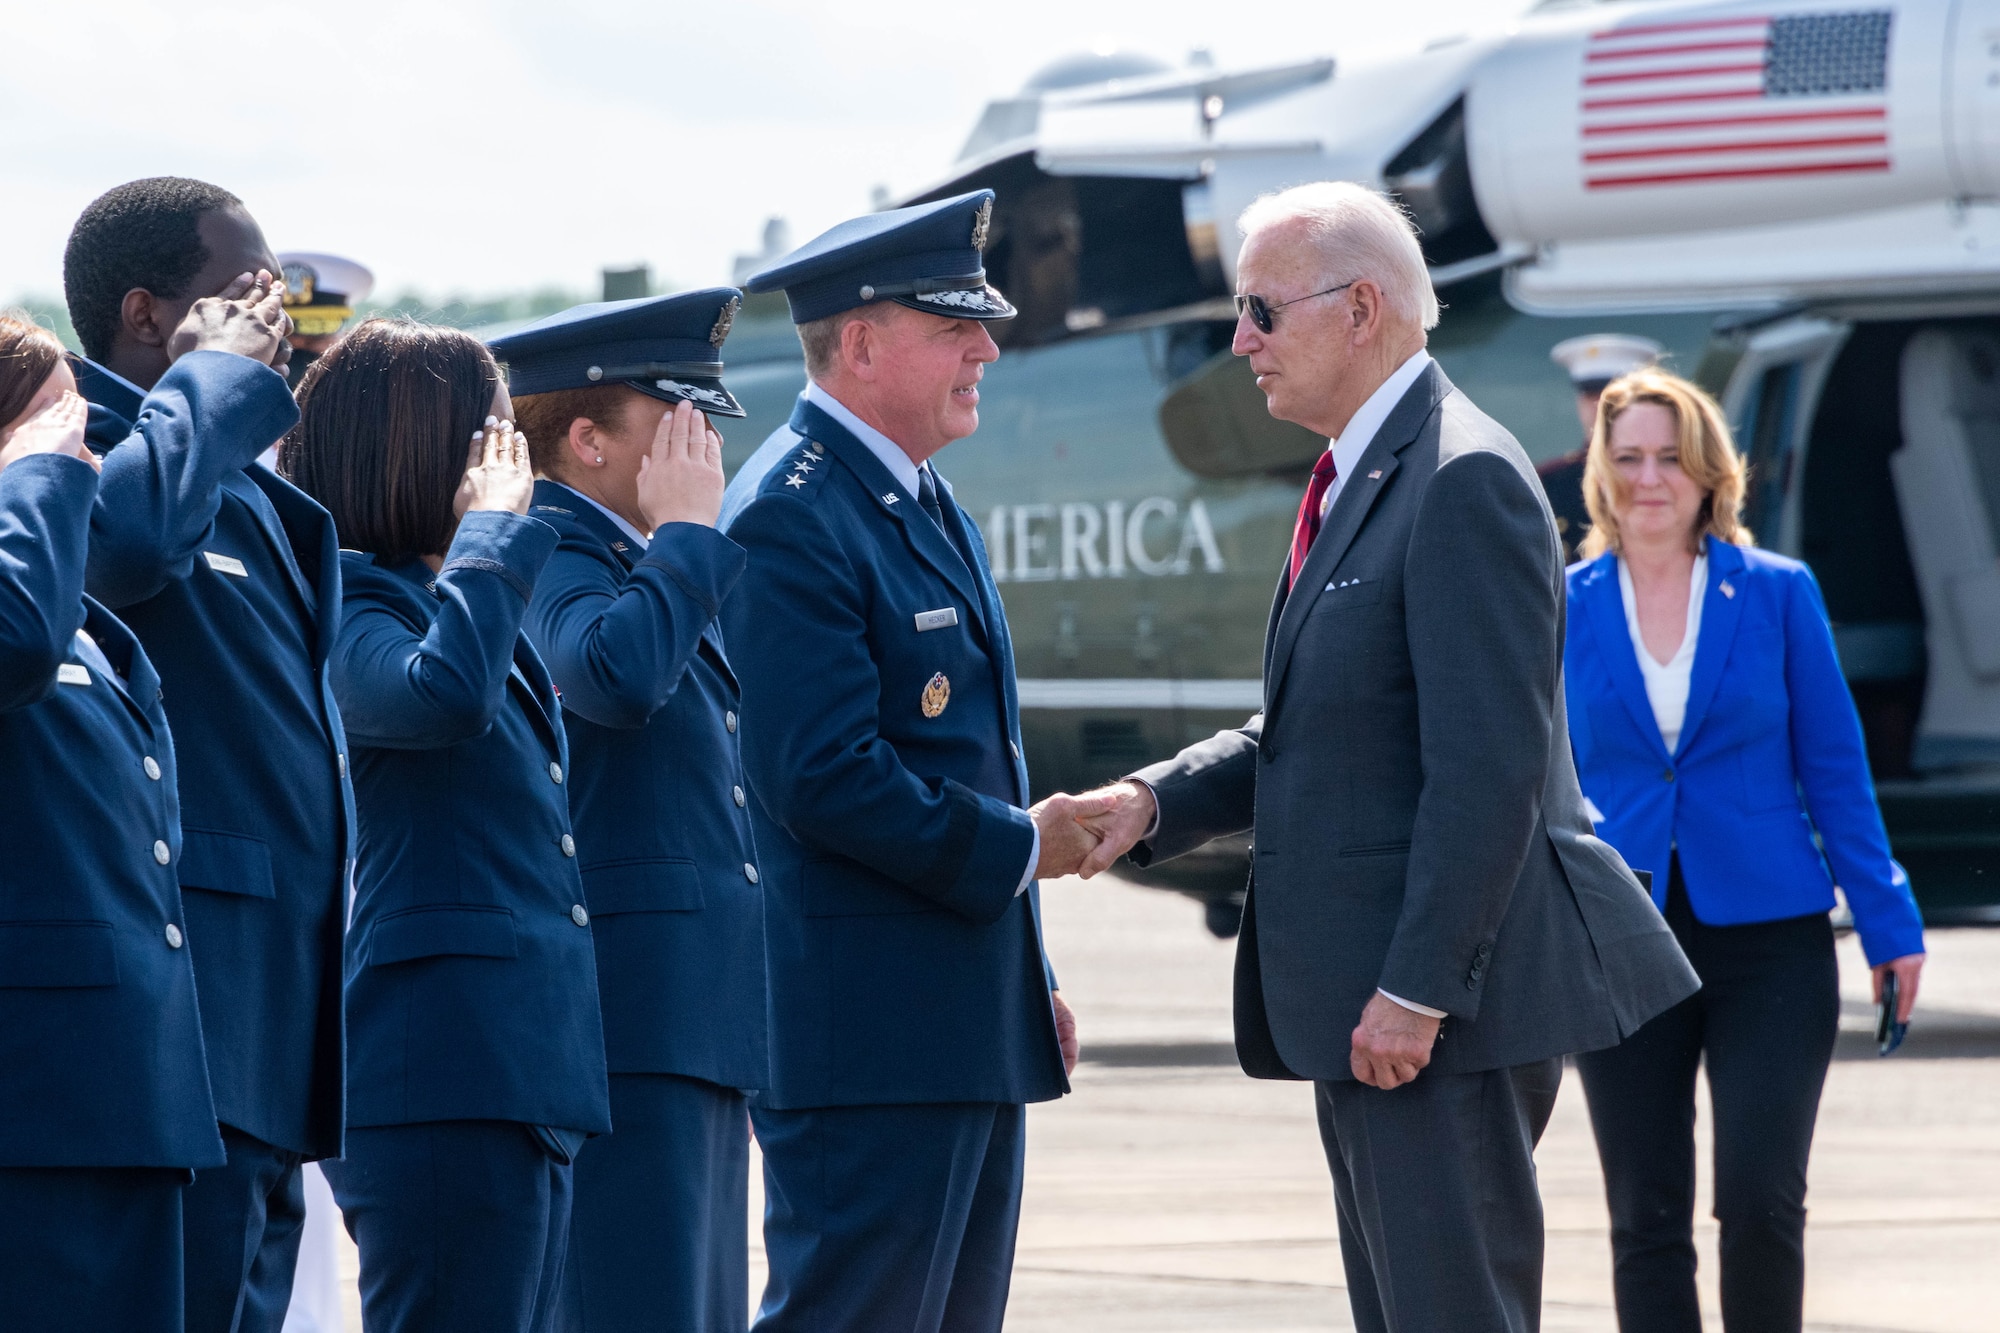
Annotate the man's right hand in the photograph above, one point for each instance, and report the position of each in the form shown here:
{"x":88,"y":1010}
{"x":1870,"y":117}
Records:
{"x":248,"y":318}
{"x":1067,"y":837}
{"x":1127,"y":810}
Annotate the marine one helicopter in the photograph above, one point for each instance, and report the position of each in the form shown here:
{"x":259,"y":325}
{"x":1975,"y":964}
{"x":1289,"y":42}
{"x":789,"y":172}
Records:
{"x":1797,"y":198}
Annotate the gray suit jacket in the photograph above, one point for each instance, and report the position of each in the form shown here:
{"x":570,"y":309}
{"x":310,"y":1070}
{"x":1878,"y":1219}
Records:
{"x":1417,"y":820}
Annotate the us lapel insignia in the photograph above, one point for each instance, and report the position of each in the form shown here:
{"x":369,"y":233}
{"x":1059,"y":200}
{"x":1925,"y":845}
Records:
{"x":618,"y":546}
{"x":936,"y":695}
{"x":890,"y":497}
{"x":1728,"y":589}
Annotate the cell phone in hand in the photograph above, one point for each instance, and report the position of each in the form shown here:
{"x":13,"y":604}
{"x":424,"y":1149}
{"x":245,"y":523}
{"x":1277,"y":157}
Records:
{"x":1889,"y":1033}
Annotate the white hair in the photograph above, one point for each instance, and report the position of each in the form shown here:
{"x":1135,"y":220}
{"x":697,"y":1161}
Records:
{"x":1360,"y":233}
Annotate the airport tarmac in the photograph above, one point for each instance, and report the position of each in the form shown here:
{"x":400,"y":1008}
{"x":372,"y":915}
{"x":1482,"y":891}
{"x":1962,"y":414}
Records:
{"x":1171,"y":1193}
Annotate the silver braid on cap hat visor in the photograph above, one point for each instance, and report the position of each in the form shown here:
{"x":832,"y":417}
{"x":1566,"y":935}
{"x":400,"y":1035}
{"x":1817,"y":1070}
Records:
{"x":966,"y":282}
{"x":653,"y":370}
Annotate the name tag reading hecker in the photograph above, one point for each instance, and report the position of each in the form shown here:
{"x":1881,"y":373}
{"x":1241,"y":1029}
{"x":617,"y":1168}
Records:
{"x":944,"y":618}
{"x":936,"y":695}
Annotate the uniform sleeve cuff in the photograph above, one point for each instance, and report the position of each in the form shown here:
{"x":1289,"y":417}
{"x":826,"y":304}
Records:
{"x":1034,"y":859}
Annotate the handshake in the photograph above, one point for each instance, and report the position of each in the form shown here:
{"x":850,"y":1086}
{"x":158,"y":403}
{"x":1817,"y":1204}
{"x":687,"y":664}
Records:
{"x":1082,"y":835}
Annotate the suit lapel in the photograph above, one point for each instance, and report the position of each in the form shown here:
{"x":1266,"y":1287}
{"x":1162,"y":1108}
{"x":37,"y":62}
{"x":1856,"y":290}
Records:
{"x":540,"y":700}
{"x":1606,"y":609}
{"x":121,"y":649}
{"x":1358,"y":494}
{"x":930,"y":542}
{"x":1720,"y":614}
{"x":1000,"y":642}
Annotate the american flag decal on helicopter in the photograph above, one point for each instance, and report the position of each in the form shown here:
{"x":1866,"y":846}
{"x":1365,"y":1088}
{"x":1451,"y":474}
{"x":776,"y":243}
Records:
{"x":1738,"y":98}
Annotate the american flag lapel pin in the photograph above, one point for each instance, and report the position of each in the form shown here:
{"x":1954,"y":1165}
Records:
{"x":1376,"y":475}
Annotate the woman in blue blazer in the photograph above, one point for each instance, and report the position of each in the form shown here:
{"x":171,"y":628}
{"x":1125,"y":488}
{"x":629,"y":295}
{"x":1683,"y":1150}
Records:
{"x":475,"y":1057}
{"x":625,"y":617}
{"x":1720,"y":749}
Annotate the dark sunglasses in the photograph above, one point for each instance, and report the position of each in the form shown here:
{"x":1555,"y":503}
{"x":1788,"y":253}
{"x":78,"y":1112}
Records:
{"x":1260,"y":310}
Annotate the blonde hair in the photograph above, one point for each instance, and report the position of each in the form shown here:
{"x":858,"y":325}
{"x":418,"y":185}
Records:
{"x":1360,"y":233}
{"x":1705,"y":453}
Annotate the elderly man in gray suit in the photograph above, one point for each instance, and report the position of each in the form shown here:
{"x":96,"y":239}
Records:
{"x":1431,"y":924}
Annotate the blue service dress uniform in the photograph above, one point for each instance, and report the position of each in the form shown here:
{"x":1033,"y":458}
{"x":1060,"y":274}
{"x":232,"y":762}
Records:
{"x":910,"y":1009}
{"x":230,"y":578}
{"x":104,"y":1106}
{"x":660,"y":1231}
{"x":475,"y":1055}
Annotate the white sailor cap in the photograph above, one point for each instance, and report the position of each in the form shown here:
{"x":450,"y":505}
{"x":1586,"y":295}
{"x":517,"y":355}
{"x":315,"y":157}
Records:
{"x":322,"y":290}
{"x":1596,"y":359}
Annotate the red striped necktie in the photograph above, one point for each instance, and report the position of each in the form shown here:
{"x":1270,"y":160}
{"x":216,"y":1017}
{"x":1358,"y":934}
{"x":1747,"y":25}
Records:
{"x":1308,"y":525}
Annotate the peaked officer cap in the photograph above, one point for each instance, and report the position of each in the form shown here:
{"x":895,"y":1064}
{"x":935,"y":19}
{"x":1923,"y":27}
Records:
{"x":1596,"y":359}
{"x":666,"y":347}
{"x":926,"y":257}
{"x":322,"y":290}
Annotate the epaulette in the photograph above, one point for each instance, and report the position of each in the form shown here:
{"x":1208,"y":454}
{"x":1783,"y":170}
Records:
{"x":800,"y":472}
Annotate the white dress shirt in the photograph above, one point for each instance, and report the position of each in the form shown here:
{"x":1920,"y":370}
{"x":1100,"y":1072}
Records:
{"x":1350,"y":444}
{"x":905,"y":471}
{"x":1667,"y":682}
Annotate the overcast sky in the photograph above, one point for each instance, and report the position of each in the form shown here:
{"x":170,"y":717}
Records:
{"x":497,"y":145}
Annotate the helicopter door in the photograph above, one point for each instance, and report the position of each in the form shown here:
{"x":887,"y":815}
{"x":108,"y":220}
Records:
{"x":1947,"y":478}
{"x":1769,"y":403}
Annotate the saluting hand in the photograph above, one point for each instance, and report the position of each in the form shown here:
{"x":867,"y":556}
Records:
{"x":497,"y":474}
{"x":681,"y":480}
{"x":247,"y":317}
{"x":55,"y":428}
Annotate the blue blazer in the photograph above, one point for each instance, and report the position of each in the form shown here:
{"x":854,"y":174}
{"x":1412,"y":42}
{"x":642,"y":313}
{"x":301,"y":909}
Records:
{"x":100,"y":1037}
{"x":1769,"y":754}
{"x":656,"y":789}
{"x":903,"y":965}
{"x":471,"y":987}
{"x":230,"y":577}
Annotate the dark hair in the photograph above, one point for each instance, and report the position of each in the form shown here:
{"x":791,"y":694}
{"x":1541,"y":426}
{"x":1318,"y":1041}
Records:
{"x":545,"y":419}
{"x":386,"y":418}
{"x":142,"y":234}
{"x":28,"y":354}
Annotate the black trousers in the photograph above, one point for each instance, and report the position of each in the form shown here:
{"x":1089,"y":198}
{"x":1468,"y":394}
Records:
{"x":1440,"y":1218}
{"x":1764,"y":1021}
{"x":91,"y":1249}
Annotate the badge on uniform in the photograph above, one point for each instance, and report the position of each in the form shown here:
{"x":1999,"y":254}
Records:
{"x":226,"y":564}
{"x":75,"y":673}
{"x":943,"y":618}
{"x":936,"y":695}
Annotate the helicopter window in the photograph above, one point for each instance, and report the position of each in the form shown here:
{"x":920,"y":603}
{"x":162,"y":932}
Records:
{"x":1765,"y":433}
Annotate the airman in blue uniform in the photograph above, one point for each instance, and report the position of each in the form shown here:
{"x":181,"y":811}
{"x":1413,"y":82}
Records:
{"x":104,"y":1107}
{"x":912,"y":1008}
{"x":229,"y":576}
{"x":476,"y":1058}
{"x":614,"y":398}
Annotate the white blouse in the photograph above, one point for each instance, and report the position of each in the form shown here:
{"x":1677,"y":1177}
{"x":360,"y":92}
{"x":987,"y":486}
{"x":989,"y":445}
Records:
{"x":1666,"y":685}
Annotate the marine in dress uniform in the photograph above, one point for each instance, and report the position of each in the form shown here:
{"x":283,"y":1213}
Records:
{"x":230,"y":578}
{"x":625,"y":616}
{"x":1593,"y":361}
{"x":910,"y":1006}
{"x":104,"y":1109}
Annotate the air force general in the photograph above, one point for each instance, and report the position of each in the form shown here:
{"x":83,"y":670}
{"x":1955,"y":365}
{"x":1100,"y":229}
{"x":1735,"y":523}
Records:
{"x":913,"y":1013}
